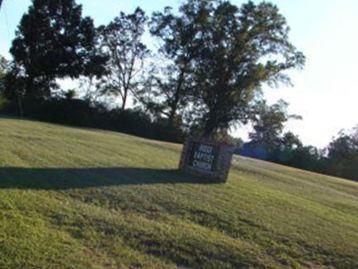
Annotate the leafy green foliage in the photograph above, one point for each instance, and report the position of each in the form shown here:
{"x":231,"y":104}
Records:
{"x":219,"y":56}
{"x":268,"y":123}
{"x":216,"y":56}
{"x":53,"y":40}
{"x":179,"y":44}
{"x":244,"y":47}
{"x":121,"y":41}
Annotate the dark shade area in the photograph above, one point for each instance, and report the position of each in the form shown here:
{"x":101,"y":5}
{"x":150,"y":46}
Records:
{"x":82,"y":113}
{"x":67,"y":178}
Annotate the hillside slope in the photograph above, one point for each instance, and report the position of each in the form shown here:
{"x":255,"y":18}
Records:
{"x":76,"y":198}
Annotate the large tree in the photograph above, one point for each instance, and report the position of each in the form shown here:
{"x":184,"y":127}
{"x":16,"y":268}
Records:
{"x":122,"y":41}
{"x":53,"y":41}
{"x":244,"y":48}
{"x":179,"y":44}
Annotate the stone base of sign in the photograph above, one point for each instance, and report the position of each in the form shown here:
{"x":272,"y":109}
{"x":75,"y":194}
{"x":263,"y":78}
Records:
{"x":221,"y":159}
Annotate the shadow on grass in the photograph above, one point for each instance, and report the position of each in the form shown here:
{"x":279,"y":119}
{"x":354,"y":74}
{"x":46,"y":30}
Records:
{"x":67,"y":178}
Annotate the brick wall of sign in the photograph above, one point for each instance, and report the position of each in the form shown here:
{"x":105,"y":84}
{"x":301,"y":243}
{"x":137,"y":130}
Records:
{"x":207,"y":158}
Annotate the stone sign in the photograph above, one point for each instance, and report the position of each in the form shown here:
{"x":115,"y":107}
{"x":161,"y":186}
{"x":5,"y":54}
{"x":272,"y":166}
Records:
{"x":207,"y":158}
{"x":203,"y":156}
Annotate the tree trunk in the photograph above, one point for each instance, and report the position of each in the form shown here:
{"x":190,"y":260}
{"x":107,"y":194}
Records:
{"x":19,"y":104}
{"x":124,"y":99}
{"x":209,"y":129}
{"x":172,"y":114}
{"x":211,"y":123}
{"x":174,"y":106}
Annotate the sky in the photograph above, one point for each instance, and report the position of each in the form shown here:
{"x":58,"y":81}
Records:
{"x":325,"y":92}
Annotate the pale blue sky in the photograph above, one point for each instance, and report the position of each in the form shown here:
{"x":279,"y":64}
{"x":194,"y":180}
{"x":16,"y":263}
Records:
{"x":325,"y":93}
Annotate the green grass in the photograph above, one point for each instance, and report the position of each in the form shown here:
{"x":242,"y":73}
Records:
{"x":76,"y":198}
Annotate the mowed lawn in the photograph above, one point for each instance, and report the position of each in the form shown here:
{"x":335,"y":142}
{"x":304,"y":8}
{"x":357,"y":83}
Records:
{"x":77,"y":198}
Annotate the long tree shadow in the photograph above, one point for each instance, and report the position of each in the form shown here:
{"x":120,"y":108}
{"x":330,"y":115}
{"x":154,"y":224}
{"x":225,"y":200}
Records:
{"x":67,"y":178}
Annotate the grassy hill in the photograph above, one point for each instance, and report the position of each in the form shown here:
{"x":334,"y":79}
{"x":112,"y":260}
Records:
{"x":76,"y":198}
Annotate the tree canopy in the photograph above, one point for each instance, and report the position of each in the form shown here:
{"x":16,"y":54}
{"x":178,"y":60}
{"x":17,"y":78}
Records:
{"x":244,"y":48}
{"x":53,"y":40}
{"x":121,"y":41}
{"x":179,"y":45}
{"x":268,"y":124}
{"x":220,"y":55}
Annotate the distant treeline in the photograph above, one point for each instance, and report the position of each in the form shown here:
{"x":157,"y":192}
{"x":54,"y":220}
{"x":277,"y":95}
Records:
{"x":339,"y":158}
{"x":269,"y":142}
{"x":78,"y":112}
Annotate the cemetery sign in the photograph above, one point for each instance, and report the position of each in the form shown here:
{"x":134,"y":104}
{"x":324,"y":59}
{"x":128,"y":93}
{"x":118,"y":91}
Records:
{"x":207,"y":158}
